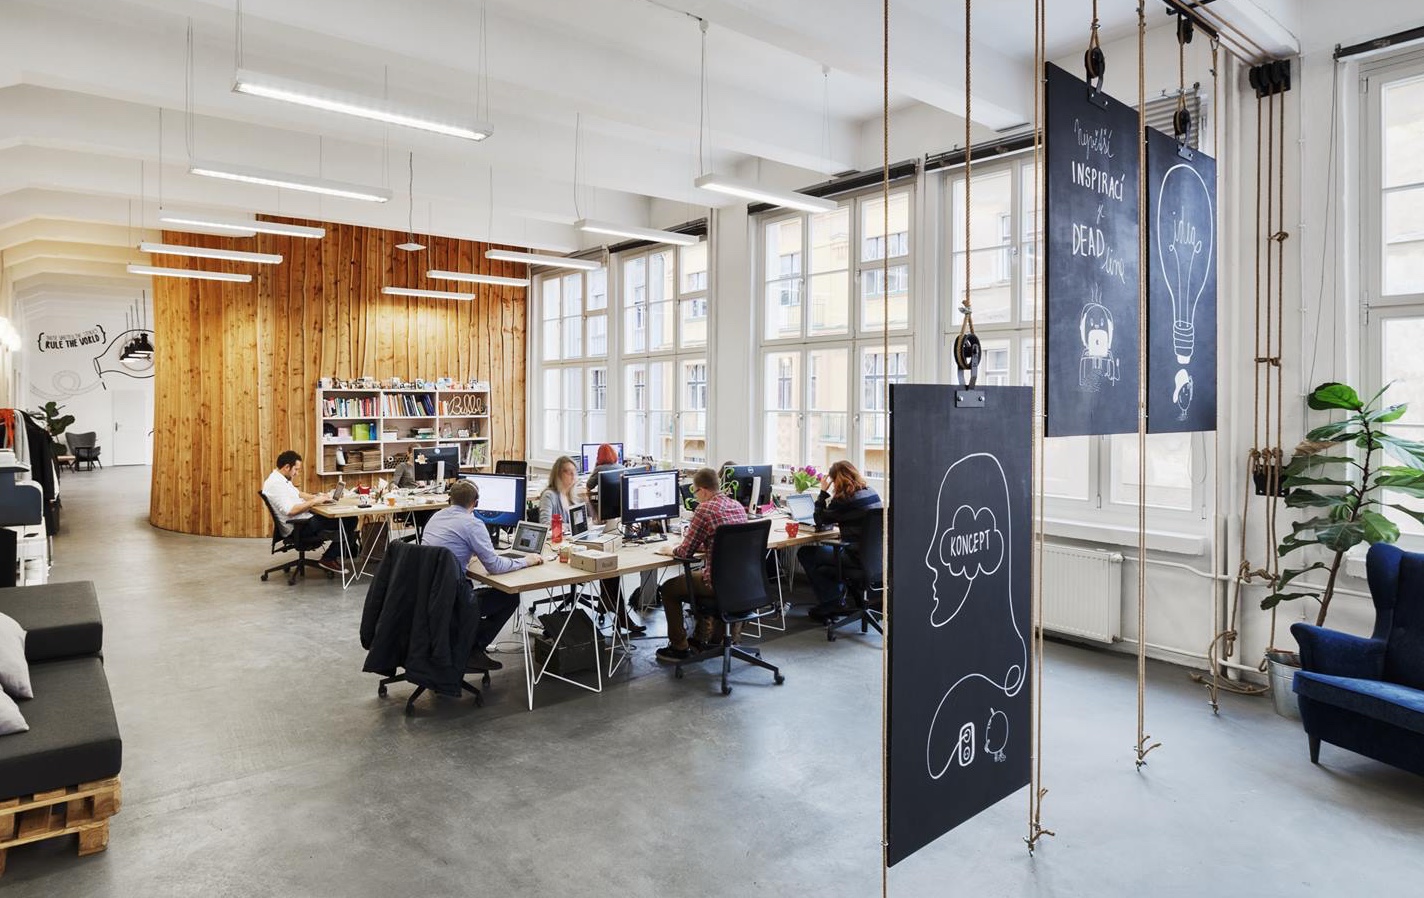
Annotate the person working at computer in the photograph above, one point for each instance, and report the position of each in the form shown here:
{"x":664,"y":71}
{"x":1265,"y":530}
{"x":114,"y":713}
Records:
{"x":609,"y":588}
{"x":293,"y":508}
{"x":605,"y":460}
{"x":455,"y":528}
{"x":713,"y":510}
{"x":845,"y":498}
{"x":558,"y":497}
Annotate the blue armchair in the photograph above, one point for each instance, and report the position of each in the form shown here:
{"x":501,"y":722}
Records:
{"x":1367,"y":695}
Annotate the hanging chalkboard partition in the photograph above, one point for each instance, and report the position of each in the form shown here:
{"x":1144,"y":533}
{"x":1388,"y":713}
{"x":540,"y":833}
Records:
{"x":1091,"y":236}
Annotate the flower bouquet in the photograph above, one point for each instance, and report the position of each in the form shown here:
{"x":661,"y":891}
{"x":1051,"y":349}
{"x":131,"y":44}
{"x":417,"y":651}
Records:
{"x":802,"y":479}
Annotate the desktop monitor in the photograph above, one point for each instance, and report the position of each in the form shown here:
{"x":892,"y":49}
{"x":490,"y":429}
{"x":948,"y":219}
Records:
{"x":501,"y":501}
{"x":737,"y":481}
{"x":427,"y":463}
{"x":610,"y":491}
{"x":651,"y":496}
{"x":588,"y":455}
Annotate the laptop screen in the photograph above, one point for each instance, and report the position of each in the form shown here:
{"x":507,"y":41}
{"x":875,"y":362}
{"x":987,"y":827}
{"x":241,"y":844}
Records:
{"x":802,"y":507}
{"x":529,"y":537}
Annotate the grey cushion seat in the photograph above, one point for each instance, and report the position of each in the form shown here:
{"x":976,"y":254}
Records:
{"x":73,"y":736}
{"x":62,"y":619}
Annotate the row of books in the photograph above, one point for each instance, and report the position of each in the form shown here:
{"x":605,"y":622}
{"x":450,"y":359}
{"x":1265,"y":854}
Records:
{"x":409,"y":405}
{"x":351,"y":460}
{"x":347,"y":407}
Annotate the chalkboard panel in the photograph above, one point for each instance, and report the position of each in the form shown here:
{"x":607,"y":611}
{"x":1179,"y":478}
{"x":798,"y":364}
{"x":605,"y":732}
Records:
{"x":958,"y":720}
{"x":1091,"y":232}
{"x":1181,"y":288}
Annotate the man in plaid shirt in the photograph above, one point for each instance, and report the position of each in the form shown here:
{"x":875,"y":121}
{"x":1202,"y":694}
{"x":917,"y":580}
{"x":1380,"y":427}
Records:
{"x":713,"y":510}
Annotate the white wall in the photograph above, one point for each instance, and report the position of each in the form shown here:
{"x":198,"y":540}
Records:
{"x":71,"y":377}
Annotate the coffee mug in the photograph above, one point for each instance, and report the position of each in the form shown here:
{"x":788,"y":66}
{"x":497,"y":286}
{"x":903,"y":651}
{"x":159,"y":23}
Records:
{"x":391,"y":501}
{"x":793,"y":528}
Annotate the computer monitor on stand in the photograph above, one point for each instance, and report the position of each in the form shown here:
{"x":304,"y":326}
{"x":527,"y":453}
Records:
{"x":501,"y":502}
{"x":437,"y":465}
{"x":647,"y":497}
{"x":588,"y":455}
{"x":748,"y":485}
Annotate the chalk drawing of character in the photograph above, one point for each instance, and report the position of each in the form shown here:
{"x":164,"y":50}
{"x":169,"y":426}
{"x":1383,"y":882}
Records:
{"x":971,"y":566}
{"x":996,"y":734}
{"x":1182,"y":393}
{"x":1097,"y":365}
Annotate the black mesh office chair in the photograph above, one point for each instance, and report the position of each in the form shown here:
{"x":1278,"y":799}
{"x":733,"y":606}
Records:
{"x":739,"y":584}
{"x":861,"y":568}
{"x":512,"y":466}
{"x":291,"y":542}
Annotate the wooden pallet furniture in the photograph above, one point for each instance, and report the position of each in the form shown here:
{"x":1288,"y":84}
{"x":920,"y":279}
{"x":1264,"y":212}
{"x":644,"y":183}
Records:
{"x":84,"y":809}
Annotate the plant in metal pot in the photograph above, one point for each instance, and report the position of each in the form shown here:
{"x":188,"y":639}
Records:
{"x":1341,"y":474}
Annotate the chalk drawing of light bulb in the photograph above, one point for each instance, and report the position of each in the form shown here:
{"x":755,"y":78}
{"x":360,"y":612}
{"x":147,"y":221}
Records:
{"x":1185,"y":237}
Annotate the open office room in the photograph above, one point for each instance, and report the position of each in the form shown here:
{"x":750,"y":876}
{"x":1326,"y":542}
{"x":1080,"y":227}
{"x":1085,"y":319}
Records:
{"x":689,"y":447}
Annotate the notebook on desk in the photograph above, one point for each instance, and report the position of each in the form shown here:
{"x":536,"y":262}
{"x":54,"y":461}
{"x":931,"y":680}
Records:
{"x":528,"y":540}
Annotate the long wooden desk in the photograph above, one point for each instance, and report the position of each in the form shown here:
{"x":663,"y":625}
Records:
{"x":348,"y":507}
{"x":554,"y":575}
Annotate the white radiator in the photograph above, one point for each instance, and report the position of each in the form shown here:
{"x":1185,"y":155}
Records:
{"x":1082,"y":593}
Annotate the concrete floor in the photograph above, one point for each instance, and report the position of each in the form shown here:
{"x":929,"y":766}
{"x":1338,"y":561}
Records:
{"x":259,"y":761}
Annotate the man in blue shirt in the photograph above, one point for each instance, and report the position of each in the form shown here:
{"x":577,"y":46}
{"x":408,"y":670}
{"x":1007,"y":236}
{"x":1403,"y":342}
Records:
{"x":455,"y":528}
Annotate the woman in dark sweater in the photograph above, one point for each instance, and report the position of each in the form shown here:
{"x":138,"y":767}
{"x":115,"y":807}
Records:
{"x":844,"y":500}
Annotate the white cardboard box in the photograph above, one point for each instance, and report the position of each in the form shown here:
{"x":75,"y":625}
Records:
{"x":594,"y":562}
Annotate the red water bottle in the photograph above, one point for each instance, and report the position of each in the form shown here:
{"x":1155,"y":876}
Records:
{"x":556,"y":529}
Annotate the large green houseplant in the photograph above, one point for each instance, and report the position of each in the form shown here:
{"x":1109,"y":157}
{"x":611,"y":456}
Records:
{"x":1340,"y":474}
{"x":54,"y":422}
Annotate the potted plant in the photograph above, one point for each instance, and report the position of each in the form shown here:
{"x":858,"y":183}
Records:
{"x":1340,"y":474}
{"x":55,"y":423}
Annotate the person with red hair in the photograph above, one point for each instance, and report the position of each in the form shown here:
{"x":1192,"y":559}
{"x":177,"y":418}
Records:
{"x":607,"y":460}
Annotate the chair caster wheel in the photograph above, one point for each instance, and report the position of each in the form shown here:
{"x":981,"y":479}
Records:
{"x":778,"y":679}
{"x":264,"y":578}
{"x":409,"y":710}
{"x":479,"y":700}
{"x":726,"y":690}
{"x":381,"y":691}
{"x":677,"y":674}
{"x":291,"y":581}
{"x":830,"y":636}
{"x":484,"y":680}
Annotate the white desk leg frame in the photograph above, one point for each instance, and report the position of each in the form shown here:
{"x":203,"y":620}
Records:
{"x":780,"y":601}
{"x":533,"y":677}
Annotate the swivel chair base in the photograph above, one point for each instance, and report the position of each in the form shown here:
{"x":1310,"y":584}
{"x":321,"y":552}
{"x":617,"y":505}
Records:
{"x":410,"y":702}
{"x":727,"y":652}
{"x":294,"y":568}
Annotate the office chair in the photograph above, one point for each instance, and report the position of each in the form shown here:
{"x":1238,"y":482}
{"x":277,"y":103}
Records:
{"x":512,"y":466}
{"x":292,"y":542}
{"x":404,"y":626}
{"x":740,"y":593}
{"x":862,"y":575}
{"x":82,"y":447}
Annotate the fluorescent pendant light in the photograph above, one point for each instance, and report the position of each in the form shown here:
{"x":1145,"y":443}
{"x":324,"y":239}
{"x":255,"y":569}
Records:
{"x":273,"y":87}
{"x":509,"y":255}
{"x":202,"y":252}
{"x":593,"y":226}
{"x":292,"y":182}
{"x":195,"y":273}
{"x":411,"y":246}
{"x":425,"y":294}
{"x":477,"y":278}
{"x":753,"y":191}
{"x":241,"y":227}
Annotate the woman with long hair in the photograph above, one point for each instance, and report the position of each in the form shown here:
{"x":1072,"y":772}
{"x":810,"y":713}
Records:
{"x":845,"y":498}
{"x":607,"y":460}
{"x":558,"y":497}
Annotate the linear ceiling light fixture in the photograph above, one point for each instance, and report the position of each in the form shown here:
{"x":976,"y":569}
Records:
{"x":791,"y":199}
{"x":241,"y":227}
{"x":438,"y":275}
{"x":194,"y":273}
{"x":202,"y":252}
{"x":289,"y":181}
{"x":594,"y":226}
{"x":425,"y":294}
{"x":273,"y":87}
{"x":509,"y":255}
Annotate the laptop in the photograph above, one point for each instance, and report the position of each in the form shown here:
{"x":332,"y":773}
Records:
{"x":528,"y":540}
{"x":802,"y":508}
{"x":578,"y":521}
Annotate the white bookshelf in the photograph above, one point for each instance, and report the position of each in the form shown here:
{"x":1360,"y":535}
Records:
{"x":399,"y":421}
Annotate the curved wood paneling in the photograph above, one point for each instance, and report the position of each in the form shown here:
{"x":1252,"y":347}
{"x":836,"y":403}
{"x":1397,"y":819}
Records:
{"x":237,"y":364}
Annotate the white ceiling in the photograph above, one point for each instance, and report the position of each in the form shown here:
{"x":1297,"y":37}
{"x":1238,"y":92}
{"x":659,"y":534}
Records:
{"x":82,"y":83}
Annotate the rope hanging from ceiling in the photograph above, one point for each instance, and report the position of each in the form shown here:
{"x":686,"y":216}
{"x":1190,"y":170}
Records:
{"x":967,"y":350}
{"x":885,"y":595}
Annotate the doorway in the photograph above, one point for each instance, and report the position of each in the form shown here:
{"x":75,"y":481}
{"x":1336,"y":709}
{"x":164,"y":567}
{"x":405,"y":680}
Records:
{"x":133,"y":427}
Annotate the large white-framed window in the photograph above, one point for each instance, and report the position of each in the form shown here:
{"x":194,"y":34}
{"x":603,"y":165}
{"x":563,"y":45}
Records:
{"x":1392,"y":248}
{"x":1080,"y":473}
{"x":823,"y":305}
{"x":572,"y":349}
{"x":664,"y":362}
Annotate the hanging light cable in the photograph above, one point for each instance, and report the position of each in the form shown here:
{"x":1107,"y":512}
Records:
{"x":411,"y":245}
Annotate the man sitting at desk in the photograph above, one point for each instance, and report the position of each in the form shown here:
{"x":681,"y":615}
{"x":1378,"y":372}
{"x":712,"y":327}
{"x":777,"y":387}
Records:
{"x":713,"y":510}
{"x":294,"y":507}
{"x":455,"y":528}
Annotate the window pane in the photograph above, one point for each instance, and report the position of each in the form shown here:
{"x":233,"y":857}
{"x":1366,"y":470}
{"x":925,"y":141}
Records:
{"x":781,"y":398}
{"x":572,"y":403}
{"x":1404,"y":241}
{"x":783,"y":249}
{"x":550,"y":301}
{"x":1402,"y":109}
{"x":1028,"y":231}
{"x":1065,"y":467}
{"x":635,"y":401}
{"x":1169,"y":469}
{"x":830,"y":241}
{"x":662,"y":397}
{"x":1402,"y":366}
{"x":993,"y":294}
{"x":783,"y":309}
{"x":994,"y":368}
{"x":694,"y":321}
{"x":992,"y":195}
{"x":597,"y":405}
{"x":827,"y":407}
{"x":553,"y":419}
{"x":635,"y":302}
{"x":830,"y":303}
{"x":551,"y":340}
{"x":694,"y":268}
{"x":872,"y":297}
{"x":872,"y":227}
{"x":694,"y":411}
{"x":573,"y":295}
{"x":573,"y":338}
{"x":874,"y":424}
{"x":598,"y":289}
{"x":597,"y":335}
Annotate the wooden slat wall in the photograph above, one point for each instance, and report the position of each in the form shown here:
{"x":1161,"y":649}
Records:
{"x":237,"y":364}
